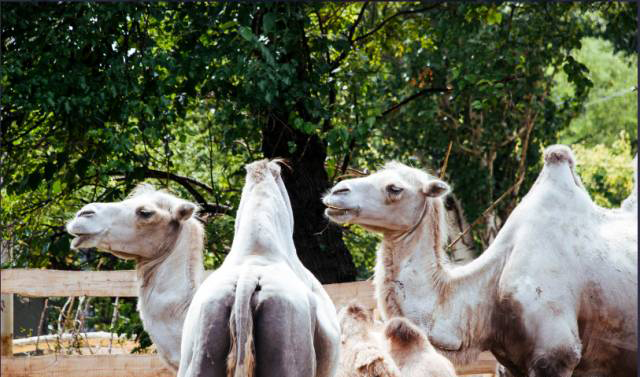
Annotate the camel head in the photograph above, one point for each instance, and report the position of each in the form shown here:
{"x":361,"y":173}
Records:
{"x":392,"y":199}
{"x":144,"y":226}
{"x":560,"y":162}
{"x":264,"y":184}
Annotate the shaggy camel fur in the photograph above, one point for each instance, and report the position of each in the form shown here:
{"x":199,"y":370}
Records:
{"x":362,"y":351}
{"x":262,"y":303}
{"x":156,"y":230}
{"x":554,"y":295}
{"x":412,"y":351}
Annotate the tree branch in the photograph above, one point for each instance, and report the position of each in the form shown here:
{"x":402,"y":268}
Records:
{"x":188,"y":184}
{"x":352,"y":31}
{"x":412,"y":97}
{"x":400,"y":13}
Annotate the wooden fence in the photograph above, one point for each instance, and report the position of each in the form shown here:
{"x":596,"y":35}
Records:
{"x":55,"y":283}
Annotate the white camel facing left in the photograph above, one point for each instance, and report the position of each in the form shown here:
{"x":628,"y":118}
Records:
{"x":158,"y":231}
{"x":554,"y":295}
{"x":262,"y":312}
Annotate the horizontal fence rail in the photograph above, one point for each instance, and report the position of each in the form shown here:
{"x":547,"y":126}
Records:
{"x":57,"y":283}
{"x":138,"y":366}
{"x":85,"y":366}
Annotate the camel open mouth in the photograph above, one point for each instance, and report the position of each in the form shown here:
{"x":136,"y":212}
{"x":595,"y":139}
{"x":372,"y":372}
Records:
{"x":336,"y":211}
{"x":340,"y":214}
{"x":81,"y":238}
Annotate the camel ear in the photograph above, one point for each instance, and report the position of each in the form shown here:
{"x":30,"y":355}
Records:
{"x":435,"y":188}
{"x":184,"y":211}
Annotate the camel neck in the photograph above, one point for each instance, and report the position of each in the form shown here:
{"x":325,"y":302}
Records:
{"x":166,"y":287}
{"x":415,"y":279}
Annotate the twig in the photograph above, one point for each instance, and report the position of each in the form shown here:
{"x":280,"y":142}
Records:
{"x":486,"y":211}
{"x":63,"y":315}
{"x":334,"y":64}
{"x":446,"y":160}
{"x":414,"y":96}
{"x":38,"y":333}
{"x":114,"y":318}
{"x":400,"y":13}
{"x":81,"y":325}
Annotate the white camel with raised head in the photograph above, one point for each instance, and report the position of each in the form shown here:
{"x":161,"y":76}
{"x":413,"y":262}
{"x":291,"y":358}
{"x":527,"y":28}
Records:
{"x":262,"y":312}
{"x":158,"y":231}
{"x":555,"y":294}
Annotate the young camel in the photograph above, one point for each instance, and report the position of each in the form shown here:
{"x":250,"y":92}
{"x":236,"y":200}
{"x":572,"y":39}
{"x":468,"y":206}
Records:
{"x":157,"y":230}
{"x":362,"y":351}
{"x":262,"y":311}
{"x":412,"y":351}
{"x":518,"y":299}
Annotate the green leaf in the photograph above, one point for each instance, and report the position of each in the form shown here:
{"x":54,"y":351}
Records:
{"x":228,"y":24}
{"x":269,"y":22}
{"x":56,"y":187}
{"x":246,"y":33}
{"x":494,"y":16}
{"x":371,"y":121}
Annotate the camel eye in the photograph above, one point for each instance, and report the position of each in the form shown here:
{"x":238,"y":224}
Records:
{"x":394,"y":190}
{"x":144,"y":213}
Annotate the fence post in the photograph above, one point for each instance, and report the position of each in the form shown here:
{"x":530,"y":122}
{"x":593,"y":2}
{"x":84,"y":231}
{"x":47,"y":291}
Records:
{"x":6,"y":306}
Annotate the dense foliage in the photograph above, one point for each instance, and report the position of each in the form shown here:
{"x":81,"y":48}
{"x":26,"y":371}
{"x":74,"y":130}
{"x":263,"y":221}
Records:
{"x":99,"y":97}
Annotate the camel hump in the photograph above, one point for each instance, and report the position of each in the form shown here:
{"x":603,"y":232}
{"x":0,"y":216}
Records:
{"x":402,"y":332}
{"x":559,"y":153}
{"x":358,"y":312}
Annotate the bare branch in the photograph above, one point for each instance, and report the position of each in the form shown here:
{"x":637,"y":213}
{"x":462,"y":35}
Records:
{"x":352,"y":31}
{"x":486,"y":211}
{"x":188,"y":184}
{"x":412,"y":97}
{"x":400,"y":13}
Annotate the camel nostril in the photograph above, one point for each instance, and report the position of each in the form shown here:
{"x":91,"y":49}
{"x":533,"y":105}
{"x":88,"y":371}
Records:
{"x":343,"y":190}
{"x":86,"y":213}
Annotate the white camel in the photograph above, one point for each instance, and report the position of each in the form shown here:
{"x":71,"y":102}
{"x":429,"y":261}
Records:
{"x":554,"y":295}
{"x":413,"y":353}
{"x":157,"y":230}
{"x":363,"y":353}
{"x":262,"y":311}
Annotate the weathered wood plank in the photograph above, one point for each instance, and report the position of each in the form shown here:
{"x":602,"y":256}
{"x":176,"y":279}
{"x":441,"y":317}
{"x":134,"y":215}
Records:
{"x":59,"y":283}
{"x":52,"y":283}
{"x":133,"y":366}
{"x":85,"y":366}
{"x":6,"y":310}
{"x":358,"y":291}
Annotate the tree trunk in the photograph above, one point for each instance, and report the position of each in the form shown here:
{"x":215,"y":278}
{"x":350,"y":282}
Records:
{"x":318,"y":242}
